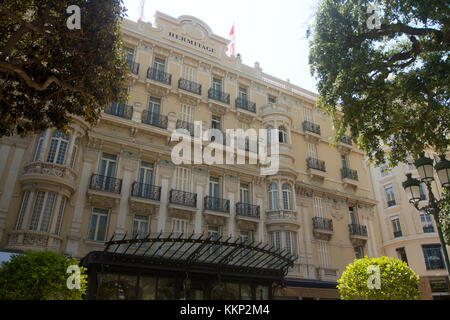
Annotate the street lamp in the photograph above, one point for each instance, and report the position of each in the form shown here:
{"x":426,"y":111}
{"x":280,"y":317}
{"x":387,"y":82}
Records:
{"x":425,"y":168}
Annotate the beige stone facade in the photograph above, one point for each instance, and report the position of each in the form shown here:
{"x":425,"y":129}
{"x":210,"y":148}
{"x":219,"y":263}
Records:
{"x":408,"y":234}
{"x":71,"y":193}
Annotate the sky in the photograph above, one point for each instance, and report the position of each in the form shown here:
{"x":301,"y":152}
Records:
{"x":270,"y":32}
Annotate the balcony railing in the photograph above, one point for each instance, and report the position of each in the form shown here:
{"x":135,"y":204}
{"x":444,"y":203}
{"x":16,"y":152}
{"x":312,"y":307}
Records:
{"x":322,"y":223}
{"x":357,"y":230}
{"x":246,"y":105}
{"x":119,"y":110}
{"x":311,"y":127}
{"x":183,"y":198}
{"x":346,"y":140}
{"x":190,"y":86}
{"x":428,"y":228}
{"x":347,"y":173}
{"x":247,"y":210}
{"x":391,"y":203}
{"x":217,"y":204}
{"x":316,"y":164}
{"x":186,"y":126}
{"x":104,"y":183}
{"x":159,"y":76}
{"x":154,"y":119}
{"x":134,"y":67}
{"x":397,"y":234}
{"x":146,"y":191}
{"x":219,"y":96}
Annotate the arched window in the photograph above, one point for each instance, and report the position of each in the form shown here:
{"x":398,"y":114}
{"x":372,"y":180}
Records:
{"x":287,"y":196}
{"x":273,"y":196}
{"x":282,"y":134}
{"x":58,"y":148}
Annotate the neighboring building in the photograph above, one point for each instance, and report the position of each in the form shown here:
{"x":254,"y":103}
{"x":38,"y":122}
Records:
{"x":408,"y":234}
{"x":71,"y":193}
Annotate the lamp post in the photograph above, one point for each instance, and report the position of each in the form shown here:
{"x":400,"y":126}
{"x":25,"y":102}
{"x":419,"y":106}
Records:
{"x":425,"y":168}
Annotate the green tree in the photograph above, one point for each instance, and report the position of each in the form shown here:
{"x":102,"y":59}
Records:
{"x":39,"y":276}
{"x":444,"y":215}
{"x":396,"y":280}
{"x":387,"y":85}
{"x":50,"y":72}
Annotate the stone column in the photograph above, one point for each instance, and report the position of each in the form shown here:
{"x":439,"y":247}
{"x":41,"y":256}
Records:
{"x":162,"y":215}
{"x":232,"y":213}
{"x":129,"y":166}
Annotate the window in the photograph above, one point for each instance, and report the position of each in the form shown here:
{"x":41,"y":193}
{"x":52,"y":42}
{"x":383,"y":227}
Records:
{"x":40,"y":146}
{"x":213,"y":232}
{"x":189,"y":73}
{"x":216,"y":124}
{"x":217,"y":86}
{"x":401,"y":254}
{"x":154,"y":106}
{"x":140,"y":226}
{"x":183,"y":179}
{"x":282,"y":135}
{"x":318,"y":208}
{"x":271,"y":138}
{"x":60,"y":215}
{"x":108,"y":165}
{"x":344,"y":160}
{"x":244,"y":193}
{"x":307,"y":114}
{"x":97,"y":225}
{"x":353,"y":215}
{"x":146,"y":173}
{"x":290,"y":242}
{"x":58,"y":148}
{"x":243,"y":95}
{"x":271,"y":99}
{"x":433,"y":257}
{"x":180,"y":226}
{"x":359,"y":252}
{"x":159,"y":65}
{"x":324,"y":253}
{"x":396,"y":227}
{"x":283,"y":240}
{"x":427,"y":223}
{"x":273,"y":196}
{"x":187,"y":113}
{"x":423,"y":196}
{"x":246,"y":236}
{"x":74,"y":152}
{"x":287,"y":197}
{"x":129,"y":54}
{"x":214,"y":187}
{"x":275,"y":240}
{"x":43,"y":208}
{"x":390,"y":196}
{"x":23,"y":209}
{"x":312,"y":151}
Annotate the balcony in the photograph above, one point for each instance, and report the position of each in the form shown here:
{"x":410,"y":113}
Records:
{"x":159,"y":76}
{"x":217,"y":204}
{"x":358,"y":234}
{"x":322,"y":228}
{"x":282,"y":217}
{"x":120,"y":110}
{"x":345,"y":144}
{"x":349,"y":177}
{"x":183,"y":198}
{"x":219,"y":96}
{"x":154,"y":119}
{"x":105,"y":184}
{"x":22,"y":240}
{"x":311,"y":128}
{"x":247,"y":216}
{"x":316,"y":168}
{"x":186,"y":126}
{"x":190,"y":86}
{"x":245,"y":105}
{"x":144,"y":197}
{"x":134,"y":67}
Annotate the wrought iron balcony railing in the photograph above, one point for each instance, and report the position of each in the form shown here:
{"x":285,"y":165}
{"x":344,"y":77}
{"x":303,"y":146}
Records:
{"x":217,"y":204}
{"x":397,"y":234}
{"x":246,"y":105}
{"x":154,"y":119}
{"x":104,"y":183}
{"x":391,"y":203}
{"x":219,"y":95}
{"x":316,"y":164}
{"x":311,"y":127}
{"x":159,"y":76}
{"x":247,"y":210}
{"x":186,"y":126}
{"x":146,"y":191}
{"x":190,"y":86}
{"x":322,"y":223}
{"x":134,"y":67}
{"x":346,"y":140}
{"x":357,"y":230}
{"x":119,"y":110}
{"x":183,"y":198}
{"x":347,"y":173}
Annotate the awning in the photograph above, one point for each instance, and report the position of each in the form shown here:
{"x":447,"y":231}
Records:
{"x":196,"y":253}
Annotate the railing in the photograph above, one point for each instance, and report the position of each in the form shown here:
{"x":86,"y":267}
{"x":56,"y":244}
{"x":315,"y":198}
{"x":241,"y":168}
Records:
{"x":322,"y":223}
{"x":357,"y":230}
{"x":219,"y":95}
{"x":183,"y":198}
{"x":311,"y":127}
{"x":119,"y":110}
{"x":346,"y":140}
{"x":190,"y":86}
{"x":428,"y":228}
{"x":186,"y":125}
{"x":347,"y":173}
{"x":18,"y":239}
{"x":104,"y":183}
{"x":134,"y":67}
{"x":247,"y":210}
{"x":397,"y":234}
{"x":154,"y":119}
{"x":160,"y":76}
{"x":316,"y":164}
{"x":50,"y":169}
{"x":146,"y":191}
{"x":246,"y":105}
{"x":217,"y":204}
{"x":391,"y":203}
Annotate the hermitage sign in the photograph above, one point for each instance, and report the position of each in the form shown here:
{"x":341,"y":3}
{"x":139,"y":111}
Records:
{"x":193,"y":43}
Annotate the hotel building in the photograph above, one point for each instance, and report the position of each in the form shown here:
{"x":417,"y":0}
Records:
{"x":116,"y":183}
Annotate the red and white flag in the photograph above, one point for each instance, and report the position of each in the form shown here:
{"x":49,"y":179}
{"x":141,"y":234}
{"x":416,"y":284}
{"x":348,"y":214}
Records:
{"x":231,"y":46}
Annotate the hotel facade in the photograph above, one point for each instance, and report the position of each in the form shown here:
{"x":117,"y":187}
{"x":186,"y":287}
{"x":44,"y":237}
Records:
{"x":112,"y":196}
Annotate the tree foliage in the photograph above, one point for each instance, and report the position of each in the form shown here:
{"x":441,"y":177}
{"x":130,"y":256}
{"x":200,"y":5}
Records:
{"x":39,"y":276}
{"x":50,"y":73}
{"x":388,"y":85}
{"x":397,"y":280}
{"x":444,"y":215}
